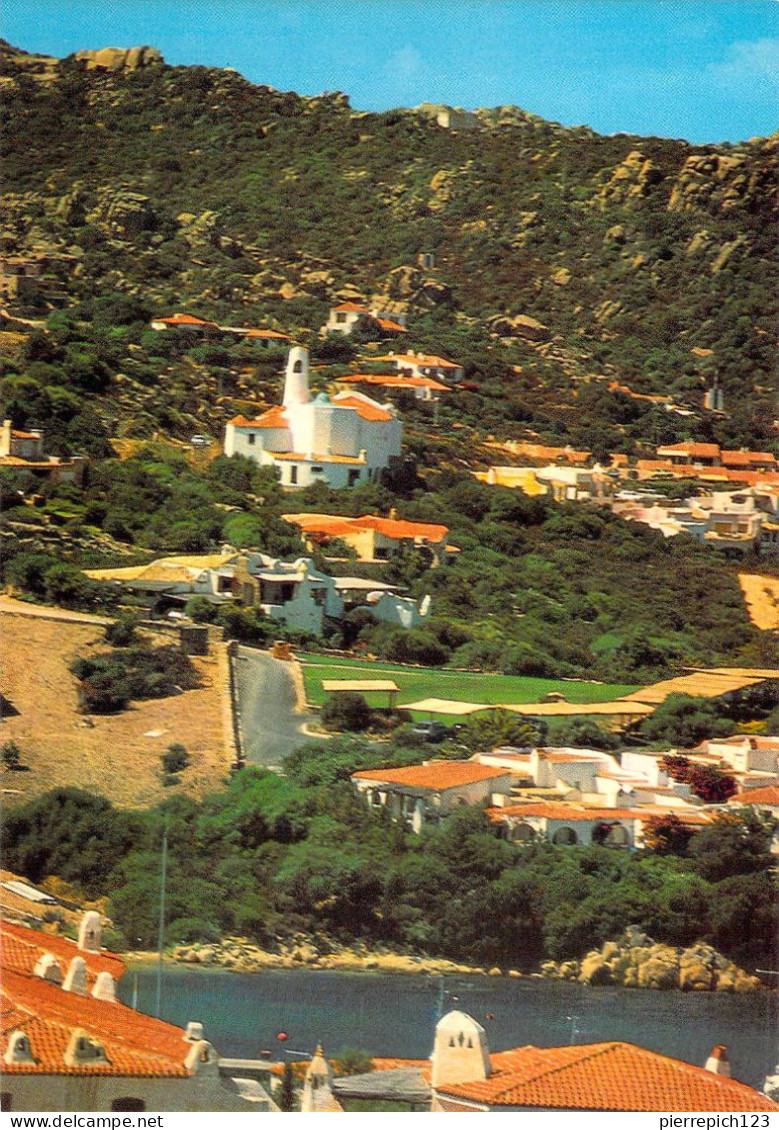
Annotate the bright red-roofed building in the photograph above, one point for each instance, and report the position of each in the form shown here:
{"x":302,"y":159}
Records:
{"x":68,"y":1044}
{"x":417,"y":795}
{"x":373,"y":537}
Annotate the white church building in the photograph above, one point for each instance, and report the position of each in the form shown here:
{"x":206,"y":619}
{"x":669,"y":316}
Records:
{"x":340,"y":440}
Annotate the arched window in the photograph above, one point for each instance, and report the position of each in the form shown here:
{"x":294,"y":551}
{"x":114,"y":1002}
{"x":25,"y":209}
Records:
{"x":297,"y":367}
{"x":522,"y":834}
{"x":611,"y":835}
{"x":565,"y":836}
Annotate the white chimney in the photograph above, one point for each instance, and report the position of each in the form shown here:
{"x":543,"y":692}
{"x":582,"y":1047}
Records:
{"x":718,"y":1062}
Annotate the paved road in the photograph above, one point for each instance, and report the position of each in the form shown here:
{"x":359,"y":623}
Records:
{"x":271,"y":724}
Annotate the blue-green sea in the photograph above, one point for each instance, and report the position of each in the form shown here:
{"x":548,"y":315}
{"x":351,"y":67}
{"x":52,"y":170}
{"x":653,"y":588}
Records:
{"x":394,"y":1015}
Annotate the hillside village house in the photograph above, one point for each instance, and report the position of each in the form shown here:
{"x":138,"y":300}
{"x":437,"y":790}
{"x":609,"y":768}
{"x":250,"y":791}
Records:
{"x":695,"y":455}
{"x":423,"y":365}
{"x":68,"y":1044}
{"x":293,"y":593}
{"x":422,"y":794}
{"x":421,"y":388}
{"x":726,"y":519}
{"x":188,"y":323}
{"x":347,"y":315}
{"x":462,"y":1075}
{"x":372,"y":537}
{"x":340,"y":441}
{"x":23,"y":451}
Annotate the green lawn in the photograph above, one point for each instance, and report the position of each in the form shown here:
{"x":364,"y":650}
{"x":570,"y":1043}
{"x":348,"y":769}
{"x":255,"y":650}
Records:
{"x":466,"y":686}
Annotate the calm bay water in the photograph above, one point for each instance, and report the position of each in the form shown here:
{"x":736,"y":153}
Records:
{"x":396,"y":1015}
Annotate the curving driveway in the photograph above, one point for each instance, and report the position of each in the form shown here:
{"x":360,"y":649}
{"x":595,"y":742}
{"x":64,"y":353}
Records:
{"x":271,"y":724}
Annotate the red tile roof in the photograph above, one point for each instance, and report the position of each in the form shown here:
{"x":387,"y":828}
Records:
{"x":387,"y":380}
{"x":693,"y":450}
{"x":365,"y":408}
{"x":768,"y":796}
{"x":351,"y":307}
{"x":608,"y":1076}
{"x":438,"y":776}
{"x":134,"y":1044}
{"x":268,"y":334}
{"x":185,"y":320}
{"x":336,"y":525}
{"x":22,"y":947}
{"x":550,"y":810}
{"x":388,"y":324}
{"x":274,"y":418}
{"x":745,"y":458}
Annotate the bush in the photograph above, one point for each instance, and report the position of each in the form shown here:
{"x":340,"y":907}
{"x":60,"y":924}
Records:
{"x":175,"y":758}
{"x":11,"y":755}
{"x":347,"y":712}
{"x":108,"y":682}
{"x":122,"y":632}
{"x":200,"y":610}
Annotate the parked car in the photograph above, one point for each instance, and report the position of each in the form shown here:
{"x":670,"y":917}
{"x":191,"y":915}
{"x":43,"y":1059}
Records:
{"x":199,"y":441}
{"x":431,"y":731}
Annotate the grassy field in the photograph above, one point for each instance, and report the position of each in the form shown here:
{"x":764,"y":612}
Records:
{"x":466,"y":686}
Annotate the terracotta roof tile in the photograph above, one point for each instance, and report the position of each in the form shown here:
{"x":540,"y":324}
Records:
{"x":365,"y":408}
{"x":185,"y":320}
{"x":768,"y":795}
{"x":274,"y":418}
{"x":22,"y":947}
{"x":134,"y":1044}
{"x":693,"y":450}
{"x":608,"y":1076}
{"x":438,"y":776}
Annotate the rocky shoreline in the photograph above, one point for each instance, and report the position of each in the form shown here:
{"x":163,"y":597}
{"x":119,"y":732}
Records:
{"x":634,"y":961}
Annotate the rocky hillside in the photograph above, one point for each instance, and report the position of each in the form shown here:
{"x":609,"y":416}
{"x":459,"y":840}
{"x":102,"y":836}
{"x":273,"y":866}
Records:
{"x":638,"y":259}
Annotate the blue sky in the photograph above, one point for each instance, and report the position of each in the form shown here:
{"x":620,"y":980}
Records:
{"x":706,"y":71}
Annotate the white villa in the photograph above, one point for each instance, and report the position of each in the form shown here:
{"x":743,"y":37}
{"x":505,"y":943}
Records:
{"x":340,"y":440}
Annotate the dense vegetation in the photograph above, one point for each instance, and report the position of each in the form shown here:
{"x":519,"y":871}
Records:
{"x":271,"y":856}
{"x":539,"y":589}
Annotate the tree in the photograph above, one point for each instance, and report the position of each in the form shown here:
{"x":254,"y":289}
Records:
{"x":347,"y":711}
{"x":706,"y":781}
{"x":499,"y":727}
{"x":685,"y":720}
{"x":666,"y":835}
{"x":287,"y":1094}
{"x":737,"y":843}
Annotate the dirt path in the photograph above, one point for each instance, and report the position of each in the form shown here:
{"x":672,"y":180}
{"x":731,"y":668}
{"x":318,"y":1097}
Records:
{"x":762,"y":599}
{"x":45,"y":612}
